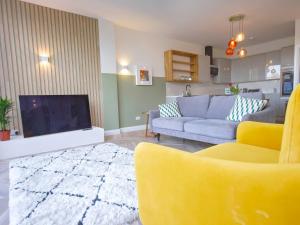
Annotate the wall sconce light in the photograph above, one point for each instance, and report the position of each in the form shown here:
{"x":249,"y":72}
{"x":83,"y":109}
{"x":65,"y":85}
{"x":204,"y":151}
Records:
{"x":44,"y":59}
{"x":124,"y":70}
{"x":123,"y":67}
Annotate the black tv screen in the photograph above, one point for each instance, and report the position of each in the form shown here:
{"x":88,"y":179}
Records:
{"x":48,"y":114}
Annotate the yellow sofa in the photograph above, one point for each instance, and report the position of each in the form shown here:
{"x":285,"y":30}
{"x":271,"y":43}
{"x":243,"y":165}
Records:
{"x":253,"y":181}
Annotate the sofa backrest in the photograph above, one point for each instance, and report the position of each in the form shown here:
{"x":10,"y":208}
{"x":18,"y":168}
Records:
{"x":220,"y":106}
{"x":256,"y":95}
{"x":195,"y":106}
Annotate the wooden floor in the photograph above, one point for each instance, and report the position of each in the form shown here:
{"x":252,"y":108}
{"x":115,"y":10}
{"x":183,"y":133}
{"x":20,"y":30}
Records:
{"x":128,"y":140}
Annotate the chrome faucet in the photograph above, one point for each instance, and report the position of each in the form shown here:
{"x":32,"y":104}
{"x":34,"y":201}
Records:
{"x":188,"y":92}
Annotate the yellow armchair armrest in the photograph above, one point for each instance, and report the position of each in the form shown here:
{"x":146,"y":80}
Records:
{"x":265,"y":135}
{"x":179,"y":188}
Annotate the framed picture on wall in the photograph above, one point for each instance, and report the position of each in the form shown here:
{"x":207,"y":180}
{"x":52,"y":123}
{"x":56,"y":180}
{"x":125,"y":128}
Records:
{"x":143,"y":75}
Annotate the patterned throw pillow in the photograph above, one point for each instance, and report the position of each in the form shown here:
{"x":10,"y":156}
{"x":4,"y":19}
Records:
{"x":243,"y":106}
{"x":169,"y":110}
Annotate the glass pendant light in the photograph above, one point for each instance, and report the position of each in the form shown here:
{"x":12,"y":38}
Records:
{"x":241,"y":35}
{"x":232,"y":43}
{"x":229,"y":51}
{"x":242,"y":52}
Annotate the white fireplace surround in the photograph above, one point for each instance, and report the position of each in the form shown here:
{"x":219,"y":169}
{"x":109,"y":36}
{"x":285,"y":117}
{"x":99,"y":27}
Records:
{"x":19,"y":146}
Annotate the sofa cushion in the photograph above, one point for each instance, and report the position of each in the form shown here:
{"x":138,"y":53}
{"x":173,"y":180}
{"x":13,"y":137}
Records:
{"x":213,"y":128}
{"x":220,"y":106}
{"x":169,"y":110}
{"x":171,"y":123}
{"x":241,"y":152}
{"x":255,"y":95}
{"x":244,"y":106}
{"x":195,"y":106}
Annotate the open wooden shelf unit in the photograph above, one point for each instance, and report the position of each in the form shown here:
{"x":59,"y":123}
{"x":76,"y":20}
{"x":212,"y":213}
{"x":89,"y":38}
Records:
{"x":181,"y":67}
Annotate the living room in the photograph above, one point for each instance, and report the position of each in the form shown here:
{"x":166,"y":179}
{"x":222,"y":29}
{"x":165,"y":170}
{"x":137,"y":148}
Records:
{"x":149,"y":112}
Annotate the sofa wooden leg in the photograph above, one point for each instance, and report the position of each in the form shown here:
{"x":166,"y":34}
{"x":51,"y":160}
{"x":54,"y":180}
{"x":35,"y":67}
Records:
{"x":158,"y":137}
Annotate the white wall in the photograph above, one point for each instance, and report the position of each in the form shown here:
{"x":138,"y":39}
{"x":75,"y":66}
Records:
{"x":140,"y":48}
{"x":107,"y":46}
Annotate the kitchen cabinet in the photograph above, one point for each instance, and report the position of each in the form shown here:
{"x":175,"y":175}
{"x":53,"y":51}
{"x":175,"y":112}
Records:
{"x":273,"y":58}
{"x":241,"y":70}
{"x":257,"y":67}
{"x":287,"y":56}
{"x":224,"y":74}
{"x":253,"y":68}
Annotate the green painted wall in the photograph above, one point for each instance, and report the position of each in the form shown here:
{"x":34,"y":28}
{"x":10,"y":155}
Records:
{"x":123,"y":101}
{"x":110,"y":101}
{"x":133,"y":100}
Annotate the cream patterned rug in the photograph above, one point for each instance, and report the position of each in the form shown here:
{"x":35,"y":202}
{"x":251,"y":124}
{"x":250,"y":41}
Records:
{"x":91,"y":185}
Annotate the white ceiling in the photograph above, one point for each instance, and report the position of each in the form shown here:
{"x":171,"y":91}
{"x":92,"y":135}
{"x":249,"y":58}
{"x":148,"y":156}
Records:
{"x":199,"y":21}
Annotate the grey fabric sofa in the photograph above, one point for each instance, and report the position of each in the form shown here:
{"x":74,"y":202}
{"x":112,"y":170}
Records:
{"x":204,"y":118}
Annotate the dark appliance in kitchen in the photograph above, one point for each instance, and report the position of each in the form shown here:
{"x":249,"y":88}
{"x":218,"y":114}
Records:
{"x":287,"y":81}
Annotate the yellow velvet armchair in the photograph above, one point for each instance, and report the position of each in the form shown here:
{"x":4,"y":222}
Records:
{"x":255,"y":181}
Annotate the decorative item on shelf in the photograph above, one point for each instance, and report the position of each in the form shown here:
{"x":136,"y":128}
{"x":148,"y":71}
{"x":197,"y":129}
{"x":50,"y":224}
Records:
{"x":143,"y":75}
{"x":185,"y":77}
{"x":234,"y":89}
{"x":273,"y":71}
{"x":188,"y":92}
{"x":227,"y":91}
{"x":239,"y":37}
{"x":5,"y":108}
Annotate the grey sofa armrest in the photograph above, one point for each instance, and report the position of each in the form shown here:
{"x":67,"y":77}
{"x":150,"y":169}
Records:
{"x":152,"y":115}
{"x":267,"y":115}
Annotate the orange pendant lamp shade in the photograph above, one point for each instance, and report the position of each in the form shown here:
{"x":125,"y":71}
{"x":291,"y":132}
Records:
{"x":232,"y":43}
{"x":229,"y":51}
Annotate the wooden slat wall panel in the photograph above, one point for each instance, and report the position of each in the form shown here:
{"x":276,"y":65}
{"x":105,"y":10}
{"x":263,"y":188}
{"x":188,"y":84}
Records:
{"x":71,"y":41}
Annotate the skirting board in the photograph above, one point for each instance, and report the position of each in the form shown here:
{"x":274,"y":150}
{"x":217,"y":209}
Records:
{"x":124,"y":130}
{"x":112,"y":132}
{"x":20,"y":146}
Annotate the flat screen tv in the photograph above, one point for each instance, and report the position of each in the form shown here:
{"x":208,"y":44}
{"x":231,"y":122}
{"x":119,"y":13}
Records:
{"x":48,"y":114}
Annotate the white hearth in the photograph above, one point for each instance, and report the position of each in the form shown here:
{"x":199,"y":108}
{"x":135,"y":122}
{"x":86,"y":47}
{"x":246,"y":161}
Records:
{"x":19,"y":146}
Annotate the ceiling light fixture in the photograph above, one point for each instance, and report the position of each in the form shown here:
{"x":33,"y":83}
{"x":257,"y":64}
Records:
{"x":242,"y":52}
{"x":44,"y":59}
{"x":232,"y":43}
{"x":239,"y":37}
{"x":229,"y":51}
